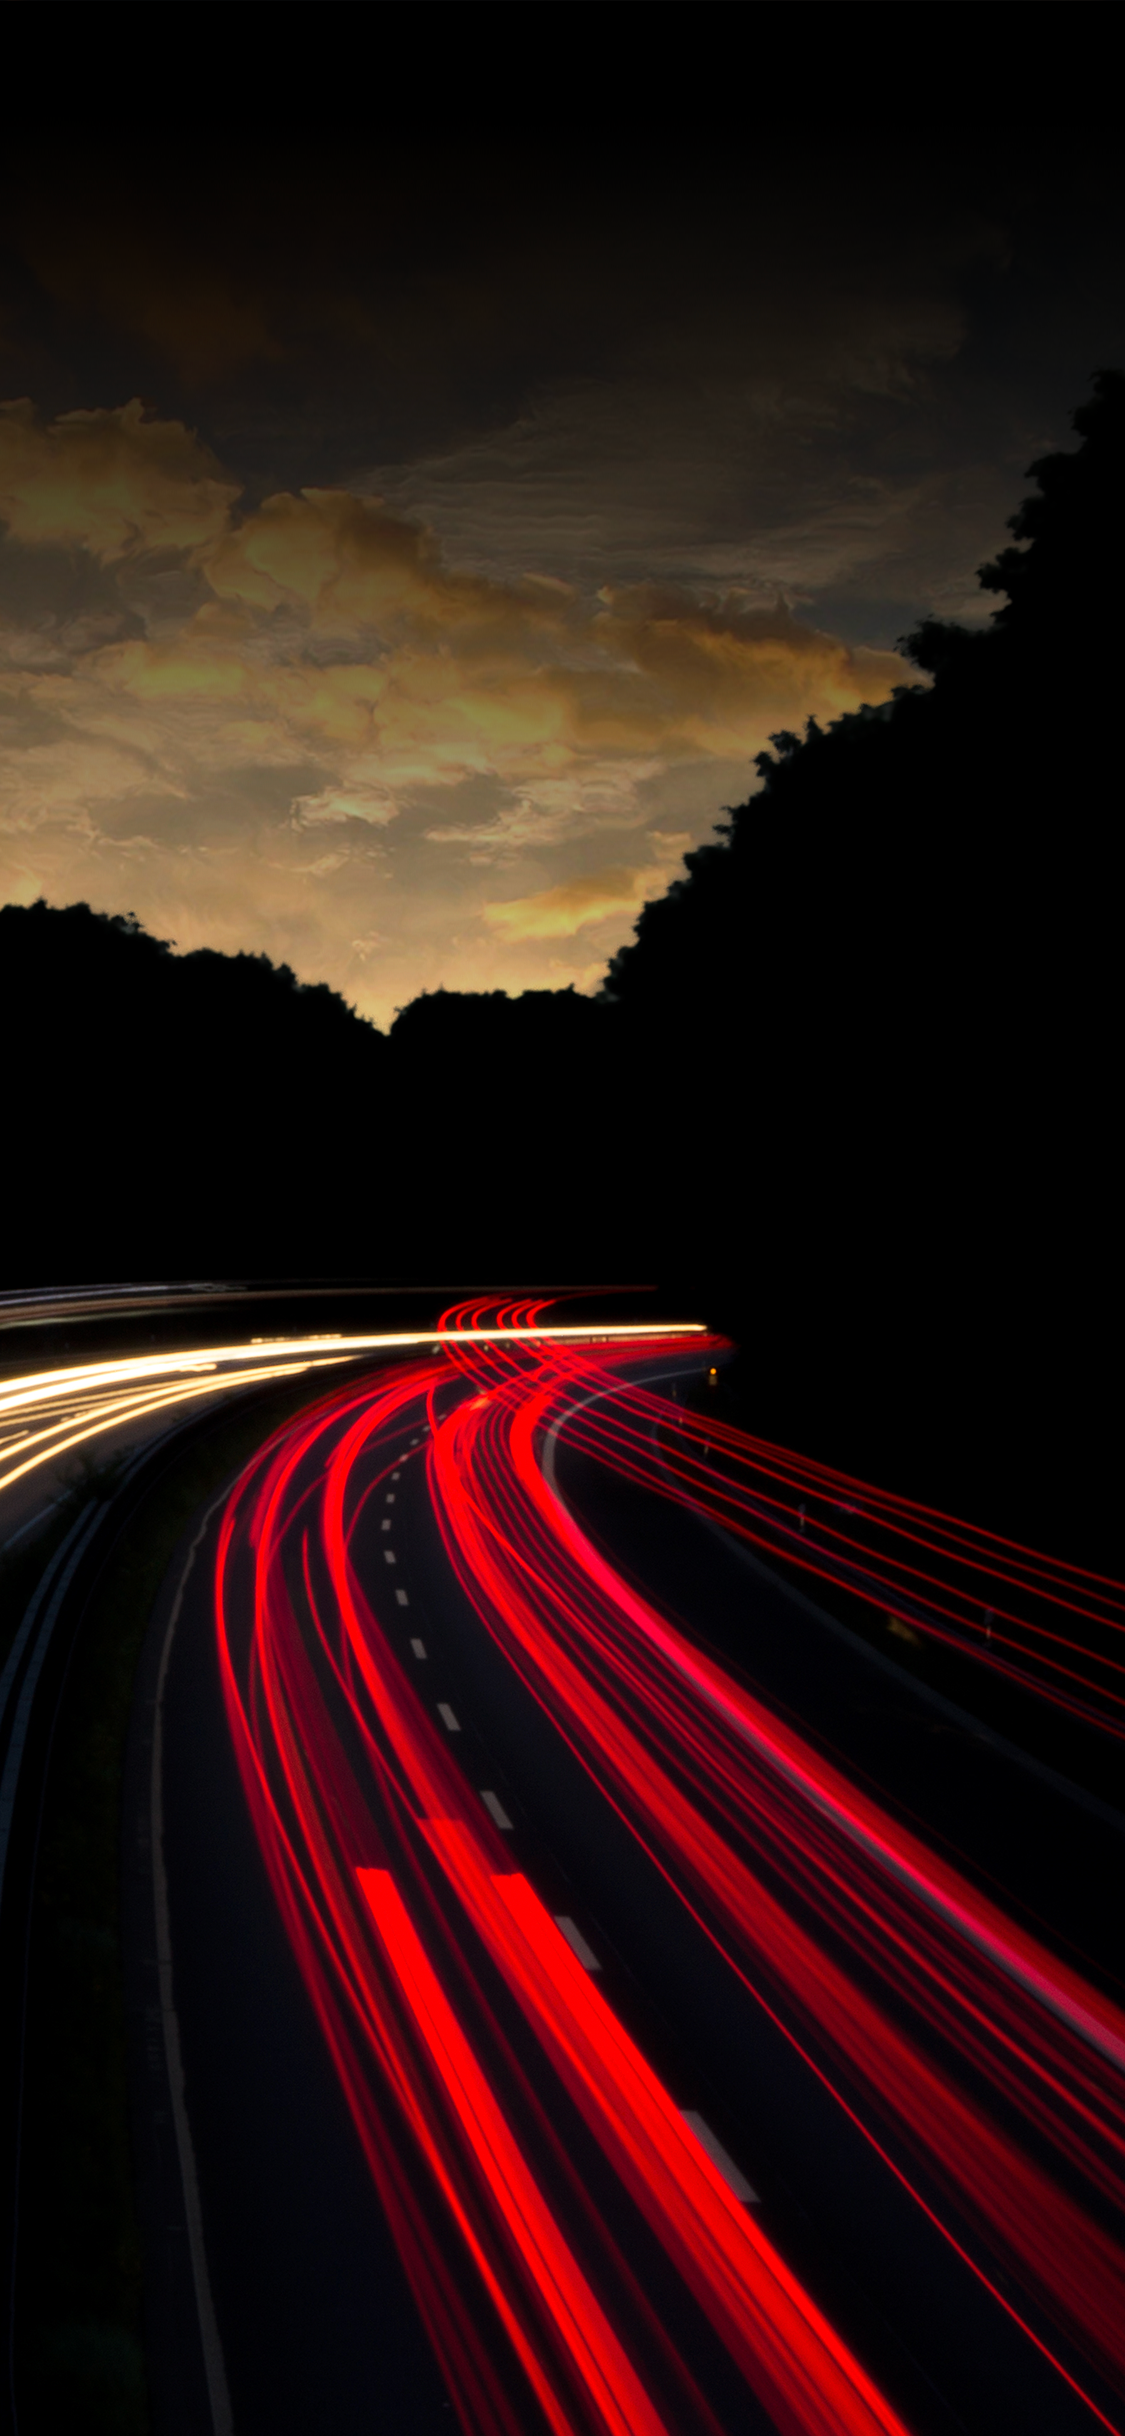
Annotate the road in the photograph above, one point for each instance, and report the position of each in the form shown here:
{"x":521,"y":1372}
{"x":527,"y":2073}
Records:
{"x":112,"y":1403}
{"x":609,"y":1995}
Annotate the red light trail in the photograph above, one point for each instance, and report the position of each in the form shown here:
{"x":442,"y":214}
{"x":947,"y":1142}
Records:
{"x":468,"y":2036}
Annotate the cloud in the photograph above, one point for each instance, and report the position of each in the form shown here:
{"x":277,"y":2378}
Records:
{"x":571,"y":715}
{"x":347,"y":567}
{"x":109,"y":479}
{"x":354,"y":802}
{"x":589,"y":794}
{"x":338,"y":556}
{"x":723,"y":669}
{"x":616,"y":892}
{"x":72,"y":780}
{"x":329,"y":623}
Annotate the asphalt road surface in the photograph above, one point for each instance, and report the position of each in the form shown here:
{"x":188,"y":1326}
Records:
{"x":316,"y":2322}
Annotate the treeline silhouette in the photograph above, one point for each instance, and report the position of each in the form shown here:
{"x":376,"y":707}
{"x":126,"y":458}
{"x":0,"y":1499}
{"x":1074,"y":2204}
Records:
{"x":208,"y":1116}
{"x":887,"y":1008}
{"x":853,"y":1091}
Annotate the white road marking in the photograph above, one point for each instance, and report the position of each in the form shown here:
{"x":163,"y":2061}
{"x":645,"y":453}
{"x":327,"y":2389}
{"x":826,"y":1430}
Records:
{"x":396,"y":1475}
{"x":402,"y":1598}
{"x":390,"y":1496}
{"x":447,"y":1717}
{"x":389,"y":1557}
{"x":718,"y":2156}
{"x":419,"y":1648}
{"x":577,"y":1942}
{"x":497,"y":1812}
{"x":386,"y":1523}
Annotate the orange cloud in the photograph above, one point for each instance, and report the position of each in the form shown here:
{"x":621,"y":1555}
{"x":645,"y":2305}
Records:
{"x":336,"y":625}
{"x":110,"y":480}
{"x":352,"y":566}
{"x":616,"y":891}
{"x":722,"y":670}
{"x":338,"y":556}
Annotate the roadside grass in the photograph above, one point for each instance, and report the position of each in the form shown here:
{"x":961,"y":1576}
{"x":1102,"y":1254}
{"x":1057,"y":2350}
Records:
{"x":79,"y":2335}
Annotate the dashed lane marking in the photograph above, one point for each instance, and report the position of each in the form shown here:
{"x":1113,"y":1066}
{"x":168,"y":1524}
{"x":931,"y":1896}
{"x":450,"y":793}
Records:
{"x":402,"y":1598}
{"x":577,"y":1942}
{"x":419,"y":1648}
{"x":389,"y":1557}
{"x":497,"y":1812}
{"x":717,"y":2154}
{"x":447,"y":1717}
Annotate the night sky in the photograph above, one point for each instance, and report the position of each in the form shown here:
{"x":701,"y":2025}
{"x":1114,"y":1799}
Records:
{"x":409,"y":544}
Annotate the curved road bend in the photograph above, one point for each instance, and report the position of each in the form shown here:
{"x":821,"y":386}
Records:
{"x":315,"y":2319}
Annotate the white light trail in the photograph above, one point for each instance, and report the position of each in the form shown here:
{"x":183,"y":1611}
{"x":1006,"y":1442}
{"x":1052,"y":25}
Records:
{"x":114,"y":1415}
{"x":16,"y":1396}
{"x":147,"y":1383}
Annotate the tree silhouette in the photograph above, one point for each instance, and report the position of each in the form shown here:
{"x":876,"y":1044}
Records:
{"x":890,"y":996}
{"x":169,"y":1115}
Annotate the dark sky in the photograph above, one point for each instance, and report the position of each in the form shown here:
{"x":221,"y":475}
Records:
{"x":412,"y":533}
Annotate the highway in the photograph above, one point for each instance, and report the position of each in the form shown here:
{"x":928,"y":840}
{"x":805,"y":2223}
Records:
{"x":589,"y":1988}
{"x":143,"y":1411}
